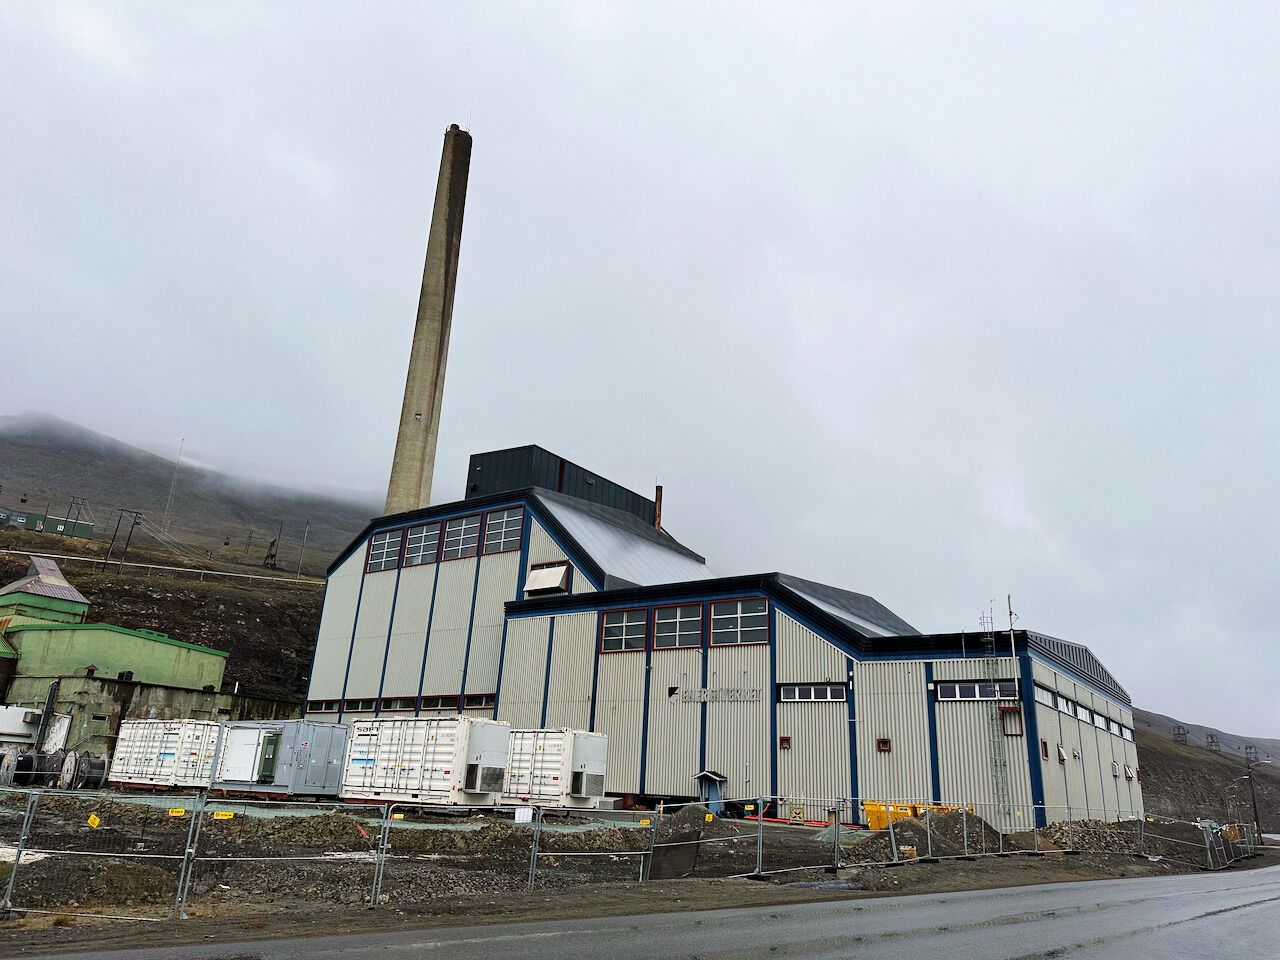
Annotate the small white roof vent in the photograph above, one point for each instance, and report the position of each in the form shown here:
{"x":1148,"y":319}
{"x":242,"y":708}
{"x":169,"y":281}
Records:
{"x":547,"y":578}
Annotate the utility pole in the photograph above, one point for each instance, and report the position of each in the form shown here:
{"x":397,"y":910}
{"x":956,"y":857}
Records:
{"x":302,"y":552}
{"x":247,"y":541}
{"x":1253,"y":794}
{"x":119,"y":517}
{"x":168,"y":503}
{"x":137,"y":521}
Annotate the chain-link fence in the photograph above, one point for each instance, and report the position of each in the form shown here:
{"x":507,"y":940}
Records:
{"x":155,"y":856}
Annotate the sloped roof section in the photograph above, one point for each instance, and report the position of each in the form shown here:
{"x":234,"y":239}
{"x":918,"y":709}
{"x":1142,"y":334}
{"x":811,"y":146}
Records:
{"x":628,"y":551}
{"x":1081,"y":659}
{"x":44,"y":579}
{"x":865,"y":614}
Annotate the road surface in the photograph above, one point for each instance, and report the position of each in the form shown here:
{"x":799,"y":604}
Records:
{"x":1234,"y":914}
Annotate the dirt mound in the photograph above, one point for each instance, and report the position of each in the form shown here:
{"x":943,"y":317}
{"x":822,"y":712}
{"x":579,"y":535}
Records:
{"x":91,"y":882}
{"x":277,"y":836}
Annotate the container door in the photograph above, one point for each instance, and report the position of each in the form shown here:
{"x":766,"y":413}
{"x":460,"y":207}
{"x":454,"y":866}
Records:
{"x":270,"y":757}
{"x":314,"y":751}
{"x":440,"y":755}
{"x":548,"y":765}
{"x":239,"y":754}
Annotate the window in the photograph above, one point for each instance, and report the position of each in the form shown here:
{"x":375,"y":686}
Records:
{"x":810,"y":691}
{"x":399,"y":703}
{"x":422,"y":545}
{"x":315,"y":706}
{"x":384,"y":551}
{"x":1113,"y":727}
{"x":677,"y":626}
{"x":1126,"y":733}
{"x":479,"y":701}
{"x":1044,"y":696}
{"x":977,"y":690}
{"x":1044,"y":749}
{"x":460,"y":538}
{"x":1084,"y":713}
{"x":359,"y":705}
{"x":1100,"y":721}
{"x":740,"y":621}
{"x":1066,"y":706}
{"x":547,"y":578}
{"x":1128,"y":772}
{"x":624,"y":630}
{"x":502,"y":529}
{"x":439,"y":703}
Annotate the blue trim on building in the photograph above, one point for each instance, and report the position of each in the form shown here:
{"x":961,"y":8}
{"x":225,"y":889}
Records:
{"x":471,"y":623}
{"x":526,"y":532}
{"x":351,"y":647}
{"x":644,"y":713}
{"x":1032,"y":730}
{"x":502,"y":663}
{"x":426,"y":640}
{"x":595,"y":679}
{"x":773,"y":700}
{"x":853,"y":735}
{"x":546,"y":676}
{"x":386,"y":651}
{"x":931,"y":709}
{"x":702,"y":711}
{"x":573,"y":555}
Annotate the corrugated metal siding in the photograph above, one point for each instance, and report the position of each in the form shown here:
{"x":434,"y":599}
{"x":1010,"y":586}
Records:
{"x":449,"y":627}
{"x":498,"y":577}
{"x":804,"y":657}
{"x":964,"y":742}
{"x":542,"y":549}
{"x":409,"y":631}
{"x":520,"y":700}
{"x":738,"y":743}
{"x":572,"y":655}
{"x":333,"y":639}
{"x":889,"y":698}
{"x":673,"y":724}
{"x":371,"y":634}
{"x":817,"y":765}
{"x":619,"y":714}
{"x":1054,"y":774}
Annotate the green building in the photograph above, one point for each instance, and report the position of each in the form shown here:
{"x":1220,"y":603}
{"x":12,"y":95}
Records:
{"x":46,"y":523}
{"x":104,"y":674}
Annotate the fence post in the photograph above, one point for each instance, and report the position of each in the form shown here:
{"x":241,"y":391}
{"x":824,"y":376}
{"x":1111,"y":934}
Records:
{"x":1071,"y":844}
{"x":964,"y":827}
{"x":647,"y":859}
{"x":380,"y":856}
{"x":533,"y":854}
{"x":835,"y":811}
{"x":33,"y":799}
{"x":189,"y":857}
{"x":893,"y":840}
{"x":928,"y":829}
{"x":759,"y":836}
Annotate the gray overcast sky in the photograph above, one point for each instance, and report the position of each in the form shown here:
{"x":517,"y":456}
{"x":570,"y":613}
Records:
{"x":931,"y":303}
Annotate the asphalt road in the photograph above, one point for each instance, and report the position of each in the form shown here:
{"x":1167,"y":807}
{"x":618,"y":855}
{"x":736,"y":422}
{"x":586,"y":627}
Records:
{"x":1197,"y":916}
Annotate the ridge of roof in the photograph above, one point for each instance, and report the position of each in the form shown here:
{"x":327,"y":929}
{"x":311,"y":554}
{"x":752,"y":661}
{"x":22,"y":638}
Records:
{"x":627,"y":522}
{"x":44,"y":579}
{"x":863,"y":609}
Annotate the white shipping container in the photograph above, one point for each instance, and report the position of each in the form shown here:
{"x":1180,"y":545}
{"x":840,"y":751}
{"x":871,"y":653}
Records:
{"x":443,"y":760}
{"x":556,"y":768}
{"x":165,"y":753}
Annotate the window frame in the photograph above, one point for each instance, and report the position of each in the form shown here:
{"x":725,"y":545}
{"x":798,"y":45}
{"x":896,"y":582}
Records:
{"x":398,"y":703}
{"x":813,"y":688}
{"x":489,"y":701}
{"x":484,"y":539}
{"x":368,"y":556}
{"x":1045,"y":697}
{"x":449,"y":701}
{"x":711,"y":621}
{"x":704,"y":624}
{"x":319,"y":706}
{"x":444,"y":536}
{"x":958,"y":687}
{"x":435,"y":554}
{"x":604,"y":614}
{"x":353,"y":704}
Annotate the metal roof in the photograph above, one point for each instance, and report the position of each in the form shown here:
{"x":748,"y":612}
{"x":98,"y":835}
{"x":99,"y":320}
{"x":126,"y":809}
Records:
{"x":1082,"y":660}
{"x":628,"y":551}
{"x":865,"y":614}
{"x":44,"y":579}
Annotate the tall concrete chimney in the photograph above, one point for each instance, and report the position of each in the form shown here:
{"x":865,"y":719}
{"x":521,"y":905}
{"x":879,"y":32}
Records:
{"x":415,"y":457}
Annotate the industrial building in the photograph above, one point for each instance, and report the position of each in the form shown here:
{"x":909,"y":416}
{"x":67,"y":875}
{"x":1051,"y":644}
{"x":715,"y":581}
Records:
{"x":551,"y":596}
{"x":101,"y":674}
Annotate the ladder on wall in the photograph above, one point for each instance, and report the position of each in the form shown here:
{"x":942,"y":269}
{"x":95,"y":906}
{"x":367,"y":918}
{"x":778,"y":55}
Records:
{"x":995,"y":725}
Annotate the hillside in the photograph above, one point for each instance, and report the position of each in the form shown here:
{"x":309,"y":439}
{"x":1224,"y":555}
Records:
{"x":1185,"y":780}
{"x":48,"y":461}
{"x":268,"y":628}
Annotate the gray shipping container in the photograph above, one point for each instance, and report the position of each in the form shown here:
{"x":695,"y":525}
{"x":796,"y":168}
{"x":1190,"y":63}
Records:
{"x":282,"y":758}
